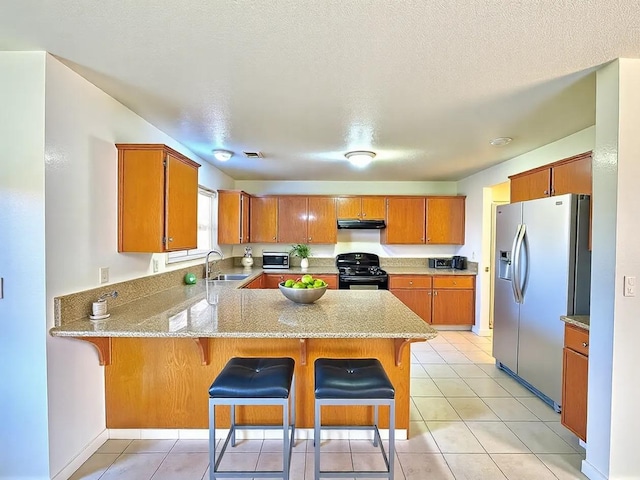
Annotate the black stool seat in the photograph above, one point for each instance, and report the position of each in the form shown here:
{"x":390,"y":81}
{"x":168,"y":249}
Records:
{"x":254,"y":378}
{"x":357,"y":378}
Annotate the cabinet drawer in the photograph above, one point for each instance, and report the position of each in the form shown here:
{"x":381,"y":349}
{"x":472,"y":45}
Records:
{"x":577,"y":339}
{"x":409,"y":281}
{"x":453,"y":281}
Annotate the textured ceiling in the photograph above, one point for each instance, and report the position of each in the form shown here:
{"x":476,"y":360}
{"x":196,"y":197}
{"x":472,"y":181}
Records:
{"x":425,"y":84}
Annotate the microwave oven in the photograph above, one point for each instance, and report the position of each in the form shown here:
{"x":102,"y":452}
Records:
{"x":275,"y":260}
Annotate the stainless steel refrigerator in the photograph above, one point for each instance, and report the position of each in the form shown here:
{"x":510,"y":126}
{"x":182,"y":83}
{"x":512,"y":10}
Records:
{"x":542,"y":271}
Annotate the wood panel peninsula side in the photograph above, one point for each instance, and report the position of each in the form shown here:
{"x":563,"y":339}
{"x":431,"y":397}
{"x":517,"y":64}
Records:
{"x":162,"y":352}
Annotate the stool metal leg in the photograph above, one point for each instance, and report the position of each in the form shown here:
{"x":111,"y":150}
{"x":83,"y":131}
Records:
{"x":233,"y":424}
{"x":375,"y":422}
{"x":316,"y":440}
{"x":392,"y":437}
{"x":212,"y":439}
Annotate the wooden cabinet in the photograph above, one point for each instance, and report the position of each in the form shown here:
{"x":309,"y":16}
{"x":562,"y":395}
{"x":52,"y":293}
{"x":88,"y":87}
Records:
{"x":453,"y":300}
{"x":271,"y":280}
{"x":256,"y":283}
{"x":157,"y":199}
{"x":445,"y":220}
{"x":307,"y":220}
{"x":233,"y":217}
{"x":370,"y":208}
{"x":414,"y":291}
{"x":405,"y":221}
{"x":570,"y":175}
{"x":263,"y":212}
{"x":575,"y":370}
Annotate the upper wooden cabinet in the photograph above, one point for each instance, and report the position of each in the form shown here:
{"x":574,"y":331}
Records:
{"x":405,"y":221}
{"x":233,"y":217}
{"x":307,"y":219}
{"x":157,"y":199}
{"x":369,"y":208}
{"x":570,"y":175}
{"x":263,"y":212}
{"x":445,"y":220}
{"x":420,"y":220}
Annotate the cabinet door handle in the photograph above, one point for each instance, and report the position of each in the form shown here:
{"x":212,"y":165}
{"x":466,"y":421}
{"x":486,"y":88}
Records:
{"x":410,"y":282}
{"x":435,"y":292}
{"x":585,"y":344}
{"x":309,"y":238}
{"x":455,"y":283}
{"x":364,"y":214}
{"x":546,"y":192}
{"x":171,"y":239}
{"x":274,"y":238}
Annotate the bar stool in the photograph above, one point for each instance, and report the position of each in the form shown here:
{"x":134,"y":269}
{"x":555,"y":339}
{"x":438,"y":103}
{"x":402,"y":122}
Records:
{"x":253,"y":381}
{"x":360,"y":381}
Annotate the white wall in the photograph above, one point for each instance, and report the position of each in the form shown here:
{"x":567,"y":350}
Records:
{"x":613,"y":419}
{"x":478,"y":214}
{"x":23,"y":380}
{"x":82,"y":126}
{"x":352,"y":240}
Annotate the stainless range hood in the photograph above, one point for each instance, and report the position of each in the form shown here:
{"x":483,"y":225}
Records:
{"x":355,"y":223}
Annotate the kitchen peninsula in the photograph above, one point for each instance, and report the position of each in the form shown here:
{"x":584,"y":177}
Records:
{"x":161,"y":352}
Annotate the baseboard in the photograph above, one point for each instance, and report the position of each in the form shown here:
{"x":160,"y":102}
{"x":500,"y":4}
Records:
{"x":448,"y":328}
{"x":592,"y":472}
{"x":481,"y":332}
{"x":203,"y":434}
{"x":82,"y":457}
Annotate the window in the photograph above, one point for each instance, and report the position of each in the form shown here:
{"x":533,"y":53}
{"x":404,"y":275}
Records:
{"x":207,"y":230}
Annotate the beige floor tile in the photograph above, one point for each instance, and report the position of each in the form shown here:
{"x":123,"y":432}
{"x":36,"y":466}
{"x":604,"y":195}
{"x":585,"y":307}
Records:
{"x":366,"y":446}
{"x":134,"y":466}
{"x":434,"y":408}
{"x":454,"y":437}
{"x":540,"y":409}
{"x":414,"y":359}
{"x":473,"y":409}
{"x":114,"y":446}
{"x":418,"y":371}
{"x":486,"y":387}
{"x":421,"y":347}
{"x":567,"y":435}
{"x":95,"y":466}
{"x":429,"y":357}
{"x":480,"y":357}
{"x":514,"y":388}
{"x":509,"y":409}
{"x":467,"y":347}
{"x":476,"y":466}
{"x":183,"y":466}
{"x":455,"y":357}
{"x":451,"y":335}
{"x":243,"y":446}
{"x":416,"y":466}
{"x":420,"y":440}
{"x":424,"y":387}
{"x":522,"y":467}
{"x":275,"y":446}
{"x":539,"y":438}
{"x":374,"y":462}
{"x":440,"y":371}
{"x":233,"y":461}
{"x":469,"y":371}
{"x":479,"y":340}
{"x":330,"y":446}
{"x":454,"y":387}
{"x":191,"y":446}
{"x":564,"y":466}
{"x":444,"y":347}
{"x":486,"y":348}
{"x":271,"y":461}
{"x":150,"y":446}
{"x":493,"y":371}
{"x":495,"y":437}
{"x":438,"y":339}
{"x":331,"y":461}
{"x":414,"y":413}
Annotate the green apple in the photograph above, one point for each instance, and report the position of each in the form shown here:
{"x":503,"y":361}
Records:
{"x":307,"y":279}
{"x":289,"y":283}
{"x":318,"y":283}
{"x":299,"y":285}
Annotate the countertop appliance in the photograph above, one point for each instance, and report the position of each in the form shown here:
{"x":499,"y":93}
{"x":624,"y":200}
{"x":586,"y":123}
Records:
{"x":542,"y":271}
{"x":459,"y":262}
{"x":275,"y":260}
{"x":440,"y":263}
{"x":361,"y":271}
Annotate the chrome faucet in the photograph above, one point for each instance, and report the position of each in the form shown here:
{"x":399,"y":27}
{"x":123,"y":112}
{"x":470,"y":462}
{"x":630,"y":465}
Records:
{"x":207,"y":267}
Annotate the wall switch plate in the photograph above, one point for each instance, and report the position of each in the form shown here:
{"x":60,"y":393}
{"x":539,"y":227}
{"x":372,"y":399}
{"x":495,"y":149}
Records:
{"x":155,"y":265}
{"x":104,"y":274}
{"x":629,"y":286}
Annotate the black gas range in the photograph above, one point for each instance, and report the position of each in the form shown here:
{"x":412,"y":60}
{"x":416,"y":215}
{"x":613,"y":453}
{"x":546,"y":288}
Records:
{"x":361,"y":271}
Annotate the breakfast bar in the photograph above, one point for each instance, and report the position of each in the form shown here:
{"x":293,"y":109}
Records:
{"x":162,"y":351}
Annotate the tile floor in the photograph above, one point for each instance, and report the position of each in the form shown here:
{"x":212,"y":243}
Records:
{"x":468,"y":421}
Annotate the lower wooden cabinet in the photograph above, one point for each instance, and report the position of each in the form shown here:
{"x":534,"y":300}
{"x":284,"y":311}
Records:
{"x":256,"y":283}
{"x":438,"y":299}
{"x":575,"y":371}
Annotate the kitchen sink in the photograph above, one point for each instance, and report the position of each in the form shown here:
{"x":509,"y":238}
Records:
{"x":230,"y":276}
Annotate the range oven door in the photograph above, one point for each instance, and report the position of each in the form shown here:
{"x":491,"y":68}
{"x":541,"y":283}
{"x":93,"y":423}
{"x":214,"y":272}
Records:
{"x":352,"y":282}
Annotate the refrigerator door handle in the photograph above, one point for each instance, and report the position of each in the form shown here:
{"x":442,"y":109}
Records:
{"x":517,"y":273}
{"x":513,"y":269}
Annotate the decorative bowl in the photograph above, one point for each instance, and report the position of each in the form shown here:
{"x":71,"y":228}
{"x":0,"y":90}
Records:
{"x":302,"y":295}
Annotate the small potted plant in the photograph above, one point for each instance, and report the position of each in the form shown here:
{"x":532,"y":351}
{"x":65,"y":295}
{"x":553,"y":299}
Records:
{"x":303,"y":251}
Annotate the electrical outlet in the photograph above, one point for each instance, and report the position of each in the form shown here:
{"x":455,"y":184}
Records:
{"x":629,"y":286}
{"x":104,"y":274}
{"x":155,"y":265}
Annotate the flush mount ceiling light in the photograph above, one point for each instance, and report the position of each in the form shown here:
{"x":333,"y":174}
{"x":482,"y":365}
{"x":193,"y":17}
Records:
{"x":500,"y":141}
{"x":360,"y":158}
{"x":222,"y":155}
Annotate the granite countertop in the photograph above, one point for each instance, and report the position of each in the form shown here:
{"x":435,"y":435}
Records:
{"x":193,"y":311}
{"x":580,"y":321}
{"x":423,"y":270}
{"x":332,"y":270}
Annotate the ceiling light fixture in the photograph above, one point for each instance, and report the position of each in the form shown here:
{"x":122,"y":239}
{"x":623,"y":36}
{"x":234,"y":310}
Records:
{"x":500,"y":141}
{"x":360,"y":158}
{"x":222,"y":155}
